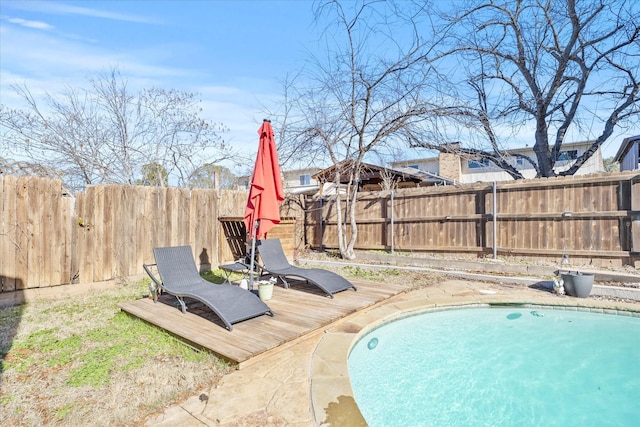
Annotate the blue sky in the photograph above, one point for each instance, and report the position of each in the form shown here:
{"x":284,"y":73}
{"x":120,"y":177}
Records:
{"x":235,"y":54}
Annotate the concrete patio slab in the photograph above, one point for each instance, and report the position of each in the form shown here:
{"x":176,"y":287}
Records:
{"x":307,"y":384}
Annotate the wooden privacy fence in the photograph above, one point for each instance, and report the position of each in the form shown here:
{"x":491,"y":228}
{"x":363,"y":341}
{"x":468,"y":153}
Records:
{"x":595,"y":218}
{"x":118,"y":226}
{"x":48,"y":238}
{"x":35,"y":233}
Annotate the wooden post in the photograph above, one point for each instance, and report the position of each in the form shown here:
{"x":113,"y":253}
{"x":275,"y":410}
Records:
{"x":495,"y":220}
{"x":635,"y":214}
{"x":392,"y":225}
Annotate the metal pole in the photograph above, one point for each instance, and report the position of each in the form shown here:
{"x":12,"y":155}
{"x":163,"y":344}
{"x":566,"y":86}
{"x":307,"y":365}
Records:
{"x":253,"y":254}
{"x":321,"y":221}
{"x":495,"y":222}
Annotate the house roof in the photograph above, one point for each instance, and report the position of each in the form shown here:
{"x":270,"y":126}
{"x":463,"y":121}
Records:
{"x":309,"y":171}
{"x":371,"y":171}
{"x":626,"y":146}
{"x":424,"y":175}
{"x":367,"y":172}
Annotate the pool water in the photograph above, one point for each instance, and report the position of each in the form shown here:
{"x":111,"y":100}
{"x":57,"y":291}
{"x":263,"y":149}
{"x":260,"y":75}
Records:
{"x":500,"y":367}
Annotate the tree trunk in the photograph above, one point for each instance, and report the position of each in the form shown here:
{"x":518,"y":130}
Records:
{"x":351,"y":205}
{"x":541,"y":148}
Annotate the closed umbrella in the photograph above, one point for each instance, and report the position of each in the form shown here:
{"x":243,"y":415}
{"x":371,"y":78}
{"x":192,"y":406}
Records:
{"x":265,"y":192}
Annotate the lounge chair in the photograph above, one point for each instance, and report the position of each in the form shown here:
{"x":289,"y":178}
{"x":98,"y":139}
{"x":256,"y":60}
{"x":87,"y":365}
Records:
{"x":275,"y":263}
{"x":179,"y":277}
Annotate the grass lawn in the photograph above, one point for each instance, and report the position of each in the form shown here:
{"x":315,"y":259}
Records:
{"x":83,"y":362}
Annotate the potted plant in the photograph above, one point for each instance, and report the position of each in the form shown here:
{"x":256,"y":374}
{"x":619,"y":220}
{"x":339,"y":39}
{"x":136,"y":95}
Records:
{"x":265,"y":288}
{"x":578,"y":284}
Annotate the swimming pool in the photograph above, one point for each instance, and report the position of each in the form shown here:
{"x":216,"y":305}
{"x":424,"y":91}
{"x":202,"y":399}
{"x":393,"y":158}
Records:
{"x":499,"y":366}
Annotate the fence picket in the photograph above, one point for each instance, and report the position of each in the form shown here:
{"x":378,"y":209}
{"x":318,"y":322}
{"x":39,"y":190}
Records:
{"x":8,"y":234}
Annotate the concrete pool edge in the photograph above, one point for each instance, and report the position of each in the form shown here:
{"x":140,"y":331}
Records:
{"x":331,"y":396}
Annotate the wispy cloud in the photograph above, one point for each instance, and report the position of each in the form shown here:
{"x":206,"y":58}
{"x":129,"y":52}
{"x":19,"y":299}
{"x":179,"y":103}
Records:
{"x":38,"y":25}
{"x":44,"y":61}
{"x":56,"y":8}
{"x":51,"y":60}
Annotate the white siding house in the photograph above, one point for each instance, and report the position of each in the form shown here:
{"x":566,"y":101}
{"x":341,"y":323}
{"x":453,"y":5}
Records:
{"x":296,"y":181}
{"x":300,"y":181}
{"x":469,"y":170}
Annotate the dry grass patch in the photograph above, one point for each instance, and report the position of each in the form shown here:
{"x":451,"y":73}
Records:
{"x":84,"y":362}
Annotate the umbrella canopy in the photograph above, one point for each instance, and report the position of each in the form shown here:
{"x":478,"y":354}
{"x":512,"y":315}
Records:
{"x":265,"y":193}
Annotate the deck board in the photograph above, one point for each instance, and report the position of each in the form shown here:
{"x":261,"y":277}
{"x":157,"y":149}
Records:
{"x":299,"y":312}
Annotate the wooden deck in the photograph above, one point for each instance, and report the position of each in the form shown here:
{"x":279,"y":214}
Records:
{"x":299,"y":311}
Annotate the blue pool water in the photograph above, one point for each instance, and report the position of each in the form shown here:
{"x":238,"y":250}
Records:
{"x":500,"y":367}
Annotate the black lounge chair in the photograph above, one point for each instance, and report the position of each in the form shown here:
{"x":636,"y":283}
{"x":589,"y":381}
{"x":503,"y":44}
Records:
{"x":179,"y":277}
{"x":275,"y":263}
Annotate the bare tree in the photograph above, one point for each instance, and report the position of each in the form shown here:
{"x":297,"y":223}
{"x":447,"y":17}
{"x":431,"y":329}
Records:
{"x":107,"y":133}
{"x":388,"y":180}
{"x":554,"y":66}
{"x":24,"y":168}
{"x":358,"y":98}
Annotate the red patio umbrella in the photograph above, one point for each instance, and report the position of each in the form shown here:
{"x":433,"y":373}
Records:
{"x":265,"y":192}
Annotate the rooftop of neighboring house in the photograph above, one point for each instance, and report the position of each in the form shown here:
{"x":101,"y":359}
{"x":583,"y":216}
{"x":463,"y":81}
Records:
{"x":374,"y":177}
{"x":626,"y":145}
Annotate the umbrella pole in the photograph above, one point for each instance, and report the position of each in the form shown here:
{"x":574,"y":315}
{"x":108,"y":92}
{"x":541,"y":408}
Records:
{"x":253,"y":254}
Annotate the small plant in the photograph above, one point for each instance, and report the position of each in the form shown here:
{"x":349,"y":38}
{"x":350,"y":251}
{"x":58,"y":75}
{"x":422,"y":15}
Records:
{"x":271,"y":281}
{"x":64,"y":411}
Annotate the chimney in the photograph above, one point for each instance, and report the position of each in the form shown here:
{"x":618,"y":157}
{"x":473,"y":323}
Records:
{"x":449,"y":161}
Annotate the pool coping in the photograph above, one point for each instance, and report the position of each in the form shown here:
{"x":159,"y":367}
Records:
{"x":331,"y":396}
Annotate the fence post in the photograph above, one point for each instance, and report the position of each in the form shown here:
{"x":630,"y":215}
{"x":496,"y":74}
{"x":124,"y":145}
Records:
{"x":321,"y":222}
{"x":495,"y":221}
{"x":392,"y":227}
{"x":635,"y":213}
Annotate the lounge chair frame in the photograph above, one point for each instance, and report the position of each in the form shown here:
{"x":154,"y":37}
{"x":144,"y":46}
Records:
{"x":275,"y":263}
{"x":178,"y":276}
